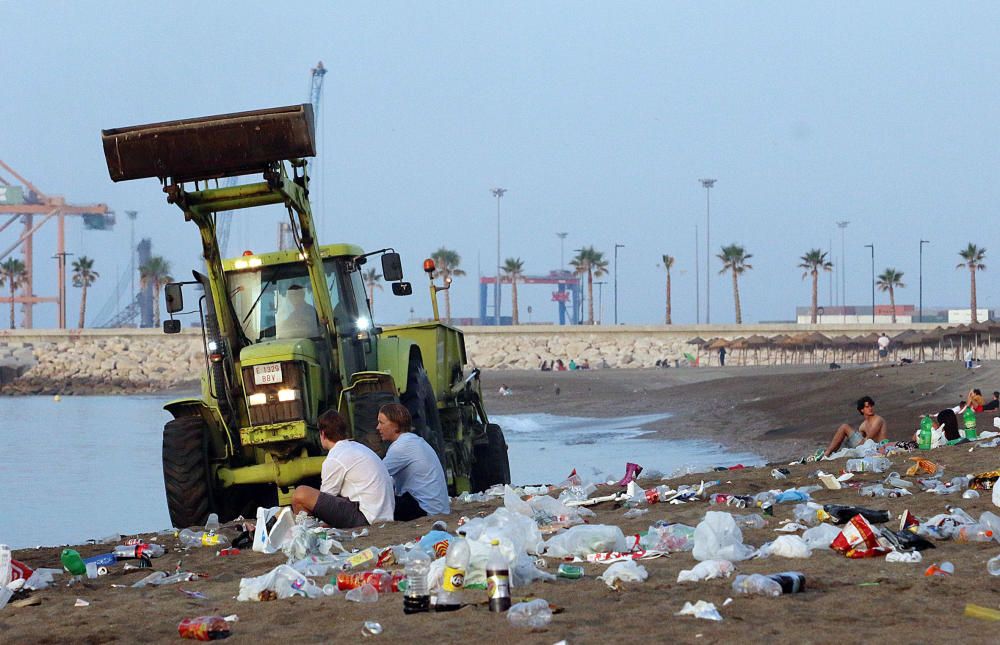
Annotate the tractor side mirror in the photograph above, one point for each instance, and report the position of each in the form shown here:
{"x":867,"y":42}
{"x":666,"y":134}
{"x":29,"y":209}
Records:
{"x":171,"y":326}
{"x":175,"y":299}
{"x":402,"y":289}
{"x":392,"y":268}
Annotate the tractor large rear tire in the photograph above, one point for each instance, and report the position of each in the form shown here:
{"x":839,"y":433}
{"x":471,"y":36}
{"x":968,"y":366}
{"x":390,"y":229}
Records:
{"x":492,"y":465}
{"x":186,"y":471}
{"x":419,"y":399}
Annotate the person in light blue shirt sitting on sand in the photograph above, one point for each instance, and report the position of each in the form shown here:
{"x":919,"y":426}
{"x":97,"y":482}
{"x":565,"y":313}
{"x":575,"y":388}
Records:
{"x":417,"y":474}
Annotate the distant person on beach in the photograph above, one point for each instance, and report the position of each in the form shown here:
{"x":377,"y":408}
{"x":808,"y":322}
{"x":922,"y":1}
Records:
{"x":545,"y":367}
{"x":416,"y":471}
{"x":975,"y":399}
{"x":883,"y":345}
{"x":994,"y":404}
{"x":970,"y":356}
{"x":873,"y":427}
{"x":560,"y":366}
{"x":722,"y":357}
{"x":355,"y":490}
{"x":585,"y":364}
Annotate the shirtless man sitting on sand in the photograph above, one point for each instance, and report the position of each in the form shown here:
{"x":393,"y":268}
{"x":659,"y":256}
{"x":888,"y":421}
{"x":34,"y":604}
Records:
{"x":873,"y":427}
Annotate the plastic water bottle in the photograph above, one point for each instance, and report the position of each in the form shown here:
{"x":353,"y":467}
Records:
{"x":924,"y":437}
{"x":212,"y":523}
{"x":969,"y":420}
{"x":456,"y":563}
{"x":72,"y":562}
{"x":417,"y":597}
{"x":756,"y":585}
{"x":869,"y":464}
{"x":752,"y":521}
{"x":497,"y":579}
{"x":201,"y":538}
{"x":973,"y":533}
{"x":534,"y":614}
{"x":135,"y":551}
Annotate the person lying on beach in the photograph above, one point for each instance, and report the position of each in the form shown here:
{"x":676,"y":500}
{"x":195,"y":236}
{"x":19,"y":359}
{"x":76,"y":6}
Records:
{"x":356,"y":488}
{"x":944,"y":428}
{"x":873,"y":427}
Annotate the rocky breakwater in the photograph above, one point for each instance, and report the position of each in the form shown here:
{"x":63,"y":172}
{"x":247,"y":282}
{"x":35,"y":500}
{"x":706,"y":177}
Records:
{"x":616,"y":349}
{"x":99,"y":365}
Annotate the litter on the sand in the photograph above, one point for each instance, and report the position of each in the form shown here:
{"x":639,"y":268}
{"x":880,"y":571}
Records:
{"x":630,"y":571}
{"x":700,"y":609}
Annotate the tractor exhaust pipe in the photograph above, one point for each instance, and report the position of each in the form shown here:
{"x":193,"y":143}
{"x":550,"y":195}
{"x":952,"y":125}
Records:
{"x":211,"y":147}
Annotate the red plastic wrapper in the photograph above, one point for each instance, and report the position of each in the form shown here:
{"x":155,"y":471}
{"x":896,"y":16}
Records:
{"x":204,"y":628}
{"x":383,"y":581}
{"x":877,"y":552}
{"x":907,"y":521}
{"x":385,"y":559}
{"x":857,"y":535}
{"x":19,"y":570}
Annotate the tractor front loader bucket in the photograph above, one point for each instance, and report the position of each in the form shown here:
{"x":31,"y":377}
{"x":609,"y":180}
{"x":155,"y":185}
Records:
{"x":210,"y":147}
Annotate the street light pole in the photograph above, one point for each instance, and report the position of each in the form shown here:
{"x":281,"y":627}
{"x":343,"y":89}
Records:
{"x":600,"y":301}
{"x":562,"y":245}
{"x":131,"y":256}
{"x":708,"y":183}
{"x":61,"y":261}
{"x":697,"y":282}
{"x":872,"y":247}
{"x":617,"y":246}
{"x":843,"y":267}
{"x":498,"y":193}
{"x":922,"y":242}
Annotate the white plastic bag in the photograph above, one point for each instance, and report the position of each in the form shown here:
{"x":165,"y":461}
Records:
{"x":272,"y":541}
{"x":786,"y":546}
{"x":513,"y":502}
{"x":820,"y":537}
{"x":700,"y":609}
{"x":283,"y":580}
{"x":717,"y":537}
{"x":584,"y":539}
{"x":627,"y":571}
{"x":996,"y":494}
{"x":707,"y":570}
{"x":904,"y":556}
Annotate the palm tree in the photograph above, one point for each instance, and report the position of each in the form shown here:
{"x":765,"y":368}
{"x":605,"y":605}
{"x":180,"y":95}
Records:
{"x":734,"y":259}
{"x":668,"y":263}
{"x":446,"y":262}
{"x":513,"y":270}
{"x":371,"y":278}
{"x":13,"y":274}
{"x":84,"y":276}
{"x":592,"y":263}
{"x":155,"y":273}
{"x":813,"y":262}
{"x":890,"y":280}
{"x":973,"y":256}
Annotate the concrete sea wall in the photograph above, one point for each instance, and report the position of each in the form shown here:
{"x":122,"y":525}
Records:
{"x":136,"y":360}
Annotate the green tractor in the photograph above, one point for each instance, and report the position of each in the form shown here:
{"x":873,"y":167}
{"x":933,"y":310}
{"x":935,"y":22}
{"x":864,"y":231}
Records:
{"x":289,"y":334}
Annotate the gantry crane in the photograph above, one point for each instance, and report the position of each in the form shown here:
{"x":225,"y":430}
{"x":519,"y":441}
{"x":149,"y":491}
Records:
{"x":23,"y":201}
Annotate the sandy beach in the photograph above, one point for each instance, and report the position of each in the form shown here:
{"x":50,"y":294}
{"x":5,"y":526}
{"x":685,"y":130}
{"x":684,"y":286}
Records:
{"x":777,"y":412}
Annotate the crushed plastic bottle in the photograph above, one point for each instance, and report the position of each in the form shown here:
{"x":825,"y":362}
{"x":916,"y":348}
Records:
{"x":756,"y":584}
{"x":870,"y":464}
{"x":752,"y":521}
{"x":973,"y":533}
{"x":364,"y":593}
{"x":533,"y":614}
{"x":993,"y":566}
{"x":201,"y":538}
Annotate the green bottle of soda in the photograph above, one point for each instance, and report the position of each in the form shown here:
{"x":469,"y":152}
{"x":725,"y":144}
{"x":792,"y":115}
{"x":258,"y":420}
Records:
{"x":924,"y":437}
{"x":969,"y":419}
{"x":72,"y":562}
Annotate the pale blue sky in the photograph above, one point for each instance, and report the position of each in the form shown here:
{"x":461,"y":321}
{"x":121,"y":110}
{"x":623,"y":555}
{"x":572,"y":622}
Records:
{"x":598,"y":117}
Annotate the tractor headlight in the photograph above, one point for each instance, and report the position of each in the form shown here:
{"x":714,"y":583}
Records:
{"x":259,"y":398}
{"x":289,"y":395}
{"x":363,"y":323}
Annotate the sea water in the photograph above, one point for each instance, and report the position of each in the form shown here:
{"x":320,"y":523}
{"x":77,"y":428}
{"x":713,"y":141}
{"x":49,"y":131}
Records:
{"x":90,"y":466}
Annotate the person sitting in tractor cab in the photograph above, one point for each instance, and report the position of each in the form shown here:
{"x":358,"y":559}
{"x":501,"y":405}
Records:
{"x":298,"y":319}
{"x":356,"y":489}
{"x":416,"y":471}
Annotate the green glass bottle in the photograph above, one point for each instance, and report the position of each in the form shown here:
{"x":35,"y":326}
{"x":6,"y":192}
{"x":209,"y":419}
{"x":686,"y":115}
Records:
{"x":72,"y":562}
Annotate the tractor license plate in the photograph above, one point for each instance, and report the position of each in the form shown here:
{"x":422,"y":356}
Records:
{"x":266,"y":374}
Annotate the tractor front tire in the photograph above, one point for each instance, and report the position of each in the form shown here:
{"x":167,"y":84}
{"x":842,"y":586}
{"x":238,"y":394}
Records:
{"x":186,"y":471}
